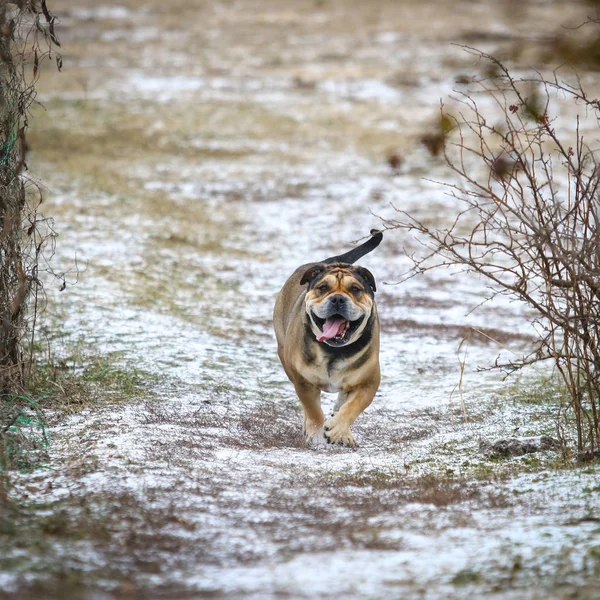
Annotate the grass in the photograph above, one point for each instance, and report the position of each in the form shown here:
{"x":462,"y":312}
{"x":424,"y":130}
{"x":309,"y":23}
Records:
{"x":546,"y":391}
{"x":63,"y":547}
{"x":271,"y":425}
{"x":80,"y":379}
{"x":24,"y":437}
{"x":465,"y":577}
{"x":192,"y":508}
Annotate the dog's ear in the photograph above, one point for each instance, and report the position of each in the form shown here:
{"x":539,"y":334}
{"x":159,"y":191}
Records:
{"x":367,"y":276}
{"x":311,"y":273}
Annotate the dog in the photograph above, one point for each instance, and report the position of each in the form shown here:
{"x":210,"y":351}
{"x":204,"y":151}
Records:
{"x":327,"y":332}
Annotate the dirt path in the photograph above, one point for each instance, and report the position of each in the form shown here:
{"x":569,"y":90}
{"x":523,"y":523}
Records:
{"x":195,"y":153}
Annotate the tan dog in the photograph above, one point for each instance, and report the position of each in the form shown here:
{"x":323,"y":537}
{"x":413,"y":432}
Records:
{"x":327,"y":333}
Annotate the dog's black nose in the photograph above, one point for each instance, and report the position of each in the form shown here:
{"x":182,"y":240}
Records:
{"x":337,"y":300}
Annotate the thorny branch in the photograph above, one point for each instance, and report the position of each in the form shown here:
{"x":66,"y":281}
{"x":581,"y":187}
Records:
{"x":529,"y":224}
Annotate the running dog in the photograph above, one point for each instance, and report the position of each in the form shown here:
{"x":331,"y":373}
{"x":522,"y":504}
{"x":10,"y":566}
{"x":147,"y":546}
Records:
{"x":327,"y":332}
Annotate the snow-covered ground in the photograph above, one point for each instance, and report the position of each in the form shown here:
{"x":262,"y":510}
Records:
{"x":221,"y":146}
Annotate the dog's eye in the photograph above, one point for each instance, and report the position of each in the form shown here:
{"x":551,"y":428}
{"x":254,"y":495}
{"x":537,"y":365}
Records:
{"x":323,"y":287}
{"x":355,"y":289}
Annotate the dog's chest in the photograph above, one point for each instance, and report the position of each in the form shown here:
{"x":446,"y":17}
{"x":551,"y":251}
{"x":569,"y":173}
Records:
{"x":326,"y":373}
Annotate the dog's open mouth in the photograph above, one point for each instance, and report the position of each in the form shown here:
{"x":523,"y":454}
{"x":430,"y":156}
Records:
{"x":335,"y":330}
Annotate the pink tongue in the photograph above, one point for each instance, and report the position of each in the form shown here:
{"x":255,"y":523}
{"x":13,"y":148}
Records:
{"x":332,"y":327}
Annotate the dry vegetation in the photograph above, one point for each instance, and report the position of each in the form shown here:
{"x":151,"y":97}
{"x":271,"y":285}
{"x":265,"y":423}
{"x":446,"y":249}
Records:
{"x":532,"y":227}
{"x":27,"y":40}
{"x":177,"y":475}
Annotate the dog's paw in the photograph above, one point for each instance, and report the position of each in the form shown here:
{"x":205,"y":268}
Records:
{"x":317,"y":442}
{"x":312,"y":432}
{"x":336,"y":432}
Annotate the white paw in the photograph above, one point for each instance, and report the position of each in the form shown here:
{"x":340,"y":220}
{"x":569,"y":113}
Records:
{"x":318,"y":440}
{"x":313,"y":433}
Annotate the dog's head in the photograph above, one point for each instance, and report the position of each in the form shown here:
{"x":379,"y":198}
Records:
{"x":339,"y":301}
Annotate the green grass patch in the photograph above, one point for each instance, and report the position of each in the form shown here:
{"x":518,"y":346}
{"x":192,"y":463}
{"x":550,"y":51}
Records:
{"x":62,"y":386}
{"x":465,"y":577}
{"x":547,"y":391}
{"x":23,"y":435}
{"x":79,"y":379}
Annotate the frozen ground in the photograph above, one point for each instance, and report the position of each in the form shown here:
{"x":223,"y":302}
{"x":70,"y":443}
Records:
{"x":194,"y":155}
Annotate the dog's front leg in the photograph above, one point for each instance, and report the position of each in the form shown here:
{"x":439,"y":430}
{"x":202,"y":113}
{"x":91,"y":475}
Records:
{"x":310,"y":397}
{"x":337,"y":429}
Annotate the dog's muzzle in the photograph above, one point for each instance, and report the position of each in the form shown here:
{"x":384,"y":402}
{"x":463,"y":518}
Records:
{"x":337,"y":319}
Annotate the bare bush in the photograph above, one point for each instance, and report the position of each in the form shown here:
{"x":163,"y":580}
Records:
{"x":529,"y":223}
{"x":26,"y":38}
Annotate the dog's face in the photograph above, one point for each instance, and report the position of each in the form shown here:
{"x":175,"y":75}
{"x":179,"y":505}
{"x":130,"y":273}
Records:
{"x":339,"y":302}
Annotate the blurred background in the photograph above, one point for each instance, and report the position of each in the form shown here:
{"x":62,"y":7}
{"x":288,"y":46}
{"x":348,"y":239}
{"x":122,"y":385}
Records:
{"x":192,"y":154}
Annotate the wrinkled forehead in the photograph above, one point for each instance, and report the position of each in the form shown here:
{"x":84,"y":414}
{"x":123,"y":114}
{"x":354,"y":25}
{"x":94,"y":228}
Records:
{"x":337,"y":276}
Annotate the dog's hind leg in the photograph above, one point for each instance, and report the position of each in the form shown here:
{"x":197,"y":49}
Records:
{"x":310,"y":397}
{"x":341,"y":400}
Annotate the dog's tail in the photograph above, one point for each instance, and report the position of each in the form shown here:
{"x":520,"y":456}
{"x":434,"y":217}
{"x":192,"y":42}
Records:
{"x":353,"y":255}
